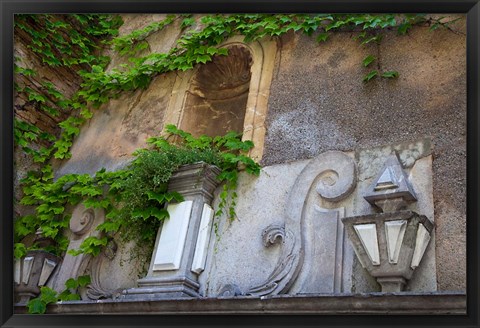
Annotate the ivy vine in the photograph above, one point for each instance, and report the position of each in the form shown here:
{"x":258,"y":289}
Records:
{"x":134,"y":197}
{"x":68,"y":42}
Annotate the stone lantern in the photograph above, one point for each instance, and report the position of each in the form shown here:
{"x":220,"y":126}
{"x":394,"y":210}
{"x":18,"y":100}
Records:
{"x":390,"y":245}
{"x":34,"y":270}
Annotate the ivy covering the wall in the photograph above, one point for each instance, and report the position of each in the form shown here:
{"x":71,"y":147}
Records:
{"x":59,"y":43}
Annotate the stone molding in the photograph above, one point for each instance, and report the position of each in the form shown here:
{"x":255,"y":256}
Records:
{"x":168,"y":287}
{"x":195,"y":179}
{"x":406,"y":303}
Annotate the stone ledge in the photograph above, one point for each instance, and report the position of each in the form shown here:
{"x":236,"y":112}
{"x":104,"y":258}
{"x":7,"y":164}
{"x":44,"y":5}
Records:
{"x":438,"y":303}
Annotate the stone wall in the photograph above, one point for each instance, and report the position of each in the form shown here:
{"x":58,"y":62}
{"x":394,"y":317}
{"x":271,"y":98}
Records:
{"x":316,"y":102}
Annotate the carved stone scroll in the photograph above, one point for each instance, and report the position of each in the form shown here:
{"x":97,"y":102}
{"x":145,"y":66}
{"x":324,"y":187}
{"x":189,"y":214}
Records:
{"x":95,"y":290}
{"x":333,"y":176}
{"x":82,"y":225}
{"x":276,"y":234}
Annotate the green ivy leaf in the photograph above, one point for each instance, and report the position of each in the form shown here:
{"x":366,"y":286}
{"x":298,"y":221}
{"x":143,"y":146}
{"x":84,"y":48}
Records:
{"x":370,"y":76}
{"x":109,"y":226}
{"x":322,"y":37}
{"x":160,"y":198}
{"x":403,"y":28}
{"x":19,"y":249}
{"x":36,"y":306}
{"x":48,"y":295}
{"x":33,"y":96}
{"x":86,"y":114}
{"x":70,"y":297}
{"x":203,"y":59}
{"x":222,"y":51}
{"x":71,"y":283}
{"x":368,"y":60}
{"x":96,"y":203}
{"x":159,"y":213}
{"x":212,"y":50}
{"x":377,"y":38}
{"x":83,"y":281}
{"x":91,"y":245}
{"x":390,"y":74}
{"x":173,"y":196}
{"x":187,"y":22}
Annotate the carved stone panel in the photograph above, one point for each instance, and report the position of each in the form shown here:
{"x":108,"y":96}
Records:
{"x":305,"y":246}
{"x":325,"y":205}
{"x":96,"y":290}
{"x":312,"y":238}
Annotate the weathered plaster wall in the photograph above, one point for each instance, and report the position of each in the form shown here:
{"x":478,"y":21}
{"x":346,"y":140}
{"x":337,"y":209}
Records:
{"x":318,"y":102}
{"x":122,"y":125}
{"x":119,"y":128}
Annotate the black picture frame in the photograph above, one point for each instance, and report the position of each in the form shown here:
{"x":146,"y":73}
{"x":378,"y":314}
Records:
{"x":10,"y":7}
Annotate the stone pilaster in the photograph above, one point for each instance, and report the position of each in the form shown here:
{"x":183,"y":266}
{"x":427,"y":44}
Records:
{"x":180,"y":249}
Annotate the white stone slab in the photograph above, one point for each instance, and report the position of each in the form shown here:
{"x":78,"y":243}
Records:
{"x":16,"y":271}
{"x":203,"y":239}
{"x":423,"y":237}
{"x":172,"y":238}
{"x":47,"y":269}
{"x":27,"y":268}
{"x":368,"y":236}
{"x":394,"y":232}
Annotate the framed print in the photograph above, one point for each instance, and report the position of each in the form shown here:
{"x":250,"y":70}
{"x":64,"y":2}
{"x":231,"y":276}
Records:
{"x":247,"y":163}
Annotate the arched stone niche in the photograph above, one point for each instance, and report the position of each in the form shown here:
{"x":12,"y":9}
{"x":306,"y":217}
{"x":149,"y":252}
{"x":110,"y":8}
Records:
{"x":216,"y":100}
{"x":229,"y":93}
